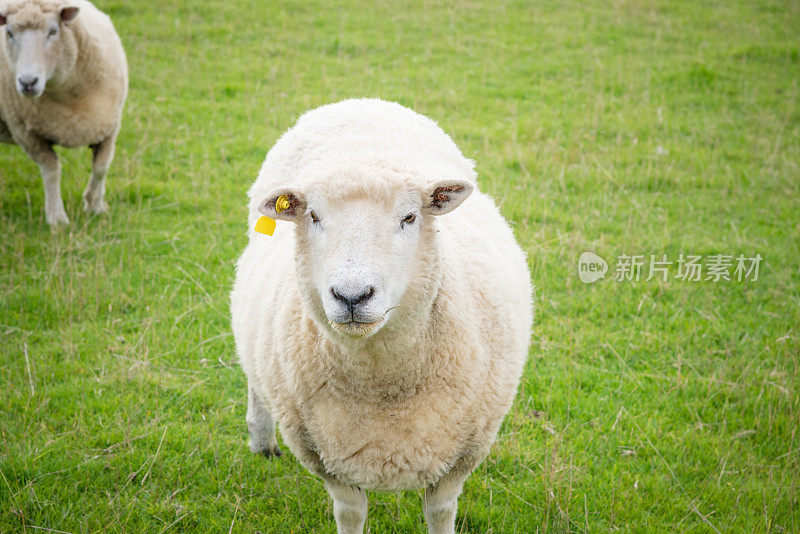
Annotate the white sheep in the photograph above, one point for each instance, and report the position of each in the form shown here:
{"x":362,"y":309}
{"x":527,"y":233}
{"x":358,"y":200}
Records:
{"x":386,"y":341}
{"x":63,"y":81}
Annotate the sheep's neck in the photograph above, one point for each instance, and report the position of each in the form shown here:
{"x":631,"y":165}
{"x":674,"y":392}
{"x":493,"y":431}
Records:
{"x":386,"y":375}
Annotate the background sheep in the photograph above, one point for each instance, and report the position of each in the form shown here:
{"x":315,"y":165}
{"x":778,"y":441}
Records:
{"x":63,"y":81}
{"x":387,"y":342}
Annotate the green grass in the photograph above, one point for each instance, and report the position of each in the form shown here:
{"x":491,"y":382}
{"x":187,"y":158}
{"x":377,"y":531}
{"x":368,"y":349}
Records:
{"x":649,"y":406}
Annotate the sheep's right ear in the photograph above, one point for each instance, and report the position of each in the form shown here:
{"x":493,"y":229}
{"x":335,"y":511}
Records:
{"x":445,"y":196}
{"x":68,"y":13}
{"x":269,"y":207}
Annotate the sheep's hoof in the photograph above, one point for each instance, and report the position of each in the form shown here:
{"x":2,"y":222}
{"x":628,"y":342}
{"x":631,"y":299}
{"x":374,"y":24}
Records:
{"x":57,"y":217}
{"x":269,"y":451}
{"x":94,"y":205}
{"x":273,"y":451}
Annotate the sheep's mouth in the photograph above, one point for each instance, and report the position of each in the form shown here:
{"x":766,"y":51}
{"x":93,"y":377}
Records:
{"x":30,"y":92}
{"x":355,"y":328}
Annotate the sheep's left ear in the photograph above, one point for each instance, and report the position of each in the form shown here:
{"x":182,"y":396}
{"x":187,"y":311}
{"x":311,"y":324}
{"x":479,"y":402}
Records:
{"x":291,"y":204}
{"x":68,"y":13}
{"x":445,"y":196}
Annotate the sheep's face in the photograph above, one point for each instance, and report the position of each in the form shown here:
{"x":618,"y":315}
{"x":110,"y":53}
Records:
{"x":33,"y":45}
{"x":362,"y":245}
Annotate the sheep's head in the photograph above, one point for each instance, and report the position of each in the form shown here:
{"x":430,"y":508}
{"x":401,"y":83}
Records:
{"x":34,"y":43}
{"x":363,"y":237}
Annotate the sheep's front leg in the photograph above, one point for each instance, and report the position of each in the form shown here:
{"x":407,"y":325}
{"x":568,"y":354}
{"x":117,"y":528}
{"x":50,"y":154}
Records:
{"x":93,"y":195}
{"x":441,"y":501}
{"x":42,"y":153}
{"x":260,"y":425}
{"x":349,"y":506}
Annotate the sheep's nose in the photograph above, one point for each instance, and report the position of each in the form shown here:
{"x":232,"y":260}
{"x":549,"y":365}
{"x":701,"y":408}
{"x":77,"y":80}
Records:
{"x":352,"y":299}
{"x":28,"y":83}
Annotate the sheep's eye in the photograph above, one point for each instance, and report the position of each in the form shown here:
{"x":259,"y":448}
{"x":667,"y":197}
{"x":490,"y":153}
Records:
{"x":314,"y":217}
{"x":52,"y":32}
{"x":408,"y":219}
{"x":9,"y":34}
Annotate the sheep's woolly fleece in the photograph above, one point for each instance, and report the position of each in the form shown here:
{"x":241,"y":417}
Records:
{"x":425,"y":394}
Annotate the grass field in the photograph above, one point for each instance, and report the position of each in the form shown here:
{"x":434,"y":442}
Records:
{"x":616,"y":127}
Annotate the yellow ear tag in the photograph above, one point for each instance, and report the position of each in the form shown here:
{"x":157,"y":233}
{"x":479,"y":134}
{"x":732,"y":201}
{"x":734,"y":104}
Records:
{"x":282,"y":204}
{"x":265,"y":225}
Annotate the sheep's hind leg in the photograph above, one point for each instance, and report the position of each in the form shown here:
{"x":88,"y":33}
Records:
{"x":93,"y":195}
{"x":261,"y":426}
{"x":349,"y":506}
{"x":5,"y":134}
